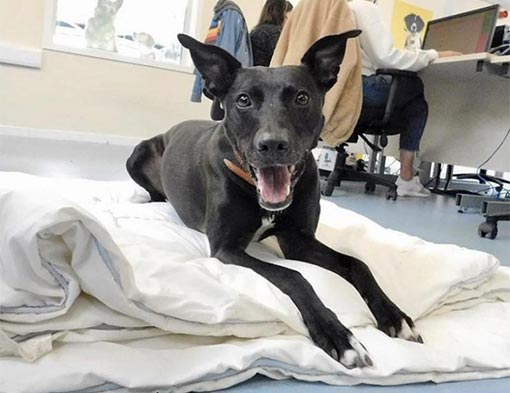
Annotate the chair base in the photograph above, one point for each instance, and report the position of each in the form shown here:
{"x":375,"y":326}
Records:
{"x":493,"y":211}
{"x":483,"y":178}
{"x":342,"y":173}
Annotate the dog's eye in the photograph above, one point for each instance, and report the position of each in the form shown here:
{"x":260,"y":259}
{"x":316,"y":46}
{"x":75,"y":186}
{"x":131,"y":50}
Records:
{"x":302,"y":98}
{"x":243,"y":101}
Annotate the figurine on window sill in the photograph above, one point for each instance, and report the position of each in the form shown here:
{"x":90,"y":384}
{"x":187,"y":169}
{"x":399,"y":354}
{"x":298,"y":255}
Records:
{"x":100,"y":30}
{"x":146,"y":45}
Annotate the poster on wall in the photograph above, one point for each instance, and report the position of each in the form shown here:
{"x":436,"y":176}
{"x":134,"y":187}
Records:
{"x":408,"y":24}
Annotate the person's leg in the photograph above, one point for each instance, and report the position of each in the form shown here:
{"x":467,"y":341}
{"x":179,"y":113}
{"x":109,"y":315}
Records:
{"x":416,"y":112}
{"x":411,"y":119}
{"x":413,"y":113}
{"x":406,"y":164}
{"x":376,"y":89}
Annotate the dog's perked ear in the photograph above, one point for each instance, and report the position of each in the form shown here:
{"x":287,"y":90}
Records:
{"x":324,"y":57}
{"x":217,"y":66}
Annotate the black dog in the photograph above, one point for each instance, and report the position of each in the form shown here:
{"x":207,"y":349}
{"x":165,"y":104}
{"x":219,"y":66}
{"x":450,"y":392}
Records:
{"x":228,"y":179}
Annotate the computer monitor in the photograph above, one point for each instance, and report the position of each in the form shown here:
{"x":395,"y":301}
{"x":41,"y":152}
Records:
{"x":468,"y":32}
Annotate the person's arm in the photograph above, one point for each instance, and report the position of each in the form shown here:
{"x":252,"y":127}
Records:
{"x":377,"y":42}
{"x":448,"y":53}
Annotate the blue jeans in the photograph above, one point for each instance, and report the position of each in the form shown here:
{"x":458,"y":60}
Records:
{"x":411,"y":109}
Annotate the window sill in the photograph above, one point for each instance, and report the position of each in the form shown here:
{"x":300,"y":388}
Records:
{"x":20,"y":56}
{"x":105,"y":55}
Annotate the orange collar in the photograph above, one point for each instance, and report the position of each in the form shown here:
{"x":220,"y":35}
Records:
{"x":238,"y":170}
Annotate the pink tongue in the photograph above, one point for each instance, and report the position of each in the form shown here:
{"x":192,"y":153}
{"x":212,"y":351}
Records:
{"x":274,"y":184}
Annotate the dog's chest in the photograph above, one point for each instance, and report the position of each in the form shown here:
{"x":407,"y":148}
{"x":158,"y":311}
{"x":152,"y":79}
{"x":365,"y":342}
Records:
{"x":268,"y":222}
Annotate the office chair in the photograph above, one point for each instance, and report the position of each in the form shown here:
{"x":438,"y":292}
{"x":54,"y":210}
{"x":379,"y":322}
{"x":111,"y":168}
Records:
{"x":372,"y":121}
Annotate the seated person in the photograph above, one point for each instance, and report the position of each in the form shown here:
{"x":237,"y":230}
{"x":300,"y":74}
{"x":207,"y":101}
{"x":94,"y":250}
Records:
{"x":378,"y":51}
{"x":265,"y":34}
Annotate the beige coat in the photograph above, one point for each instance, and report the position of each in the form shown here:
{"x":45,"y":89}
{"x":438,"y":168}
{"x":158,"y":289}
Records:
{"x":311,"y":20}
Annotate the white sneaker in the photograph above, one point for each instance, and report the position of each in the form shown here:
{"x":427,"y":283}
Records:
{"x":411,"y":188}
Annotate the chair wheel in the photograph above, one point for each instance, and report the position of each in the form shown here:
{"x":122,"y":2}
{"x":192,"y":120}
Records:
{"x":488,"y":228}
{"x":369,"y":187}
{"x":391,"y":194}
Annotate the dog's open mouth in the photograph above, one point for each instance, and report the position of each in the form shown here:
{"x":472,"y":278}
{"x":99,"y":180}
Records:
{"x":275,"y":185}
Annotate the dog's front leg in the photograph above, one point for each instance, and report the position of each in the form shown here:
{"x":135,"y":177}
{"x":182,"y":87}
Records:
{"x":390,"y":319}
{"x":232,"y":220}
{"x":323,"y":326}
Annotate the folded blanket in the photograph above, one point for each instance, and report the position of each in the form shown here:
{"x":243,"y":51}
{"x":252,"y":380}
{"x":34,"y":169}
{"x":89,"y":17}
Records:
{"x":99,"y":290}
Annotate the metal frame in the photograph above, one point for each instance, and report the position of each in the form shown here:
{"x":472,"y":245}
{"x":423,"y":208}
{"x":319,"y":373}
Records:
{"x":466,"y":202}
{"x":495,"y":208}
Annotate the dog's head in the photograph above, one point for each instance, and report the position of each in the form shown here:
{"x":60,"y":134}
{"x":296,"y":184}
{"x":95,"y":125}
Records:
{"x":414,"y":23}
{"x":273,"y":116}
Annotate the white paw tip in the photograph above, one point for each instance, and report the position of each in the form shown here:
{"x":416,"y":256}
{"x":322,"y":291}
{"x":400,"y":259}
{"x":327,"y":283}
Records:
{"x":356,"y":357}
{"x":408,"y":333}
{"x":349,"y":358}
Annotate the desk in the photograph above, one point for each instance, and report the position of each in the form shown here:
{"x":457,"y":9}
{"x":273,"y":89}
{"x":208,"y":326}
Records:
{"x":500,"y":59}
{"x":469,"y":112}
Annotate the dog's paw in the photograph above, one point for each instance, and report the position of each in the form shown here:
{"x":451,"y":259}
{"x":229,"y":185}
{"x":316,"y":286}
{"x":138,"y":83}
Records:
{"x":395,"y":323}
{"x":357,"y":356}
{"x":337,"y":341}
{"x":408,"y":331}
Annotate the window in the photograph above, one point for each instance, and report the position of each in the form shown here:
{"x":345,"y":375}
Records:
{"x":141,"y":31}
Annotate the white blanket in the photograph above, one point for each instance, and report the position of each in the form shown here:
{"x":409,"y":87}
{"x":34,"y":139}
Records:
{"x":99,"y":290}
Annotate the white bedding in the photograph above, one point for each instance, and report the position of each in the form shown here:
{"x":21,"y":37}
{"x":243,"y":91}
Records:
{"x":99,"y":290}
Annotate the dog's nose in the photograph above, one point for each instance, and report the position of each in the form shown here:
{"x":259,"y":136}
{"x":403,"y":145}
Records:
{"x":272,"y":145}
